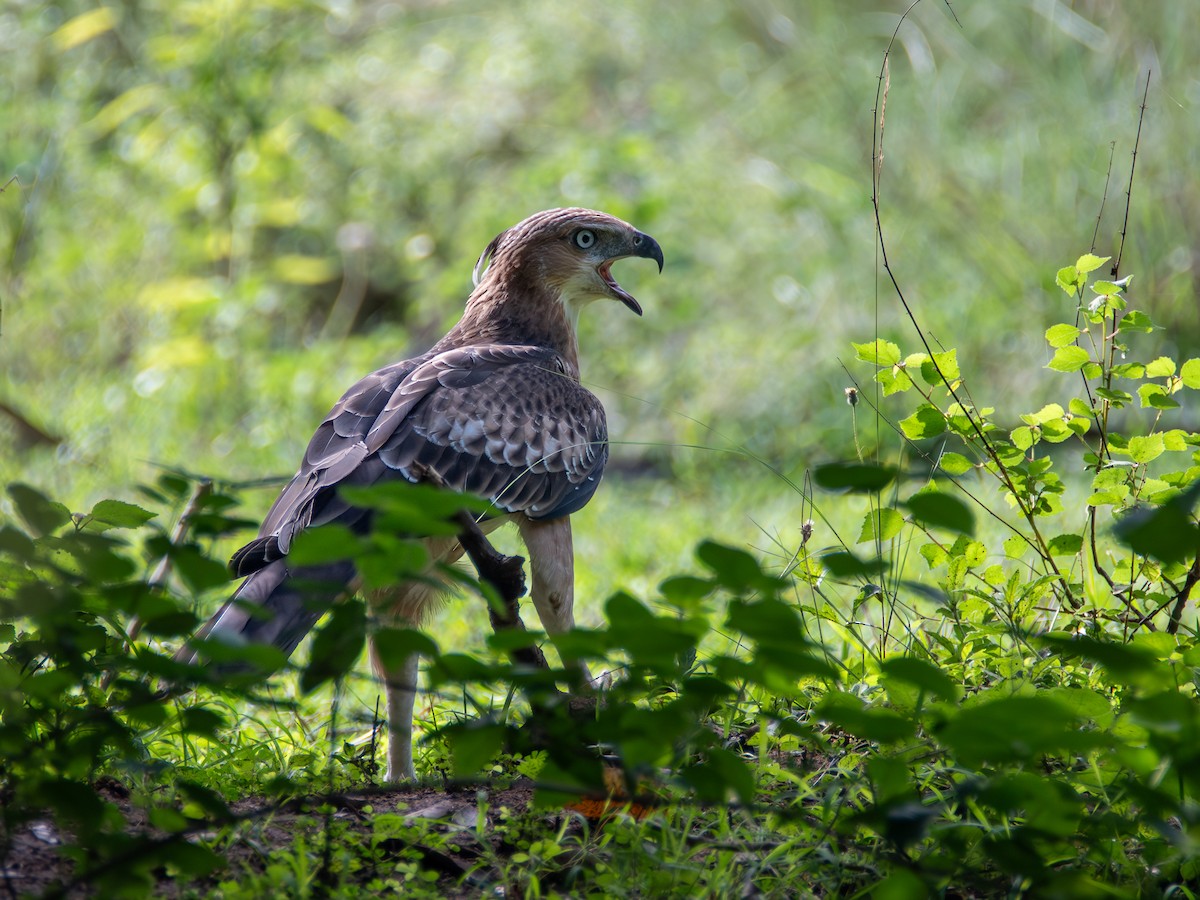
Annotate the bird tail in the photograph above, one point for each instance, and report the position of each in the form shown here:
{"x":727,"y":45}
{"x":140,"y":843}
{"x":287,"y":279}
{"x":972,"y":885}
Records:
{"x":276,"y":606}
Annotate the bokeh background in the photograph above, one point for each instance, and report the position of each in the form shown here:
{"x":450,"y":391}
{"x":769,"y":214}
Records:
{"x":223,"y":213}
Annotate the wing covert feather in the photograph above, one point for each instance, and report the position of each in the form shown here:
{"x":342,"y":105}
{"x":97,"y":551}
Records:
{"x":502,"y":421}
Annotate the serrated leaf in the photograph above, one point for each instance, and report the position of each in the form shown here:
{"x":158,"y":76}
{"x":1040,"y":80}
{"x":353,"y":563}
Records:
{"x":1068,"y":359}
{"x":1023,"y":437}
{"x":948,"y":364}
{"x":894,"y":380}
{"x":1129,"y":370}
{"x":1116,"y":398}
{"x":1160,"y":368}
{"x":1106,"y":288}
{"x":926,"y":422}
{"x":879,"y":352}
{"x":1062,"y":335}
{"x":1046,"y":413}
{"x":1015,"y":546}
{"x":120,"y":514}
{"x":933,"y":554}
{"x":880,"y":524}
{"x":40,"y":513}
{"x":1143,"y":449}
{"x":1069,"y":279}
{"x":1190,"y":373}
{"x":955,"y":464}
{"x":1155,"y":396}
{"x":1078,"y":407}
{"x":1136,"y":320}
{"x":1089,"y":262}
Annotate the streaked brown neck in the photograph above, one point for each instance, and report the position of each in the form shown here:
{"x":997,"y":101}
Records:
{"x":516,"y":310}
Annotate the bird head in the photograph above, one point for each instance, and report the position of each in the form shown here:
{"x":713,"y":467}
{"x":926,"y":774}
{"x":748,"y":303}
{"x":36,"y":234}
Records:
{"x":571,"y":252}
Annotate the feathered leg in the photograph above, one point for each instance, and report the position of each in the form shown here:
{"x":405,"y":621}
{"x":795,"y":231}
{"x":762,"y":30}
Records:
{"x":552,"y":570}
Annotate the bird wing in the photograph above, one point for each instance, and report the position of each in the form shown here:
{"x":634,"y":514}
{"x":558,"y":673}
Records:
{"x":506,"y":422}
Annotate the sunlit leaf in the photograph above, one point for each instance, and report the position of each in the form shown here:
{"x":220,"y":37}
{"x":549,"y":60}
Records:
{"x":926,"y":422}
{"x":1068,"y":359}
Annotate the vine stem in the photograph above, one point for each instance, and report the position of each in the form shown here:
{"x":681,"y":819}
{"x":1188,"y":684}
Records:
{"x":1039,"y":541}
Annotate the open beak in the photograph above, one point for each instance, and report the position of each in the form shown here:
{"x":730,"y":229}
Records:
{"x":641,"y":245}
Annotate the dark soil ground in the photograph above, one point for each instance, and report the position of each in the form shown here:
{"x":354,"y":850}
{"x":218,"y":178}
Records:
{"x":35,"y":864}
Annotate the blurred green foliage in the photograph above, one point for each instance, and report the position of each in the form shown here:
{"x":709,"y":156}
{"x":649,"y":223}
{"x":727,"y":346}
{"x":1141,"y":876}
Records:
{"x":226,"y":212}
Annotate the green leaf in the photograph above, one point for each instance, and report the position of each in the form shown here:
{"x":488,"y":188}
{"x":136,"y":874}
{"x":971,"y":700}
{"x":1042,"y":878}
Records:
{"x":948,"y":364}
{"x":324,"y":544}
{"x":684,"y":590}
{"x":718,"y":773}
{"x":1160,"y":368}
{"x":1023,"y":437}
{"x":473,"y":746}
{"x":893,"y":380}
{"x":120,"y":514}
{"x":1045,"y":414}
{"x":1068,"y":359}
{"x":923,"y":675}
{"x":1107,"y":288}
{"x":955,"y":464}
{"x":1062,"y":335}
{"x":869,"y":723}
{"x":337,"y":646}
{"x":938,"y":510}
{"x":1144,"y":449}
{"x":394,"y":645}
{"x":933,"y":554}
{"x":1066,"y":544}
{"x":857,"y":478}
{"x":880,"y":524}
{"x":1190,"y":373}
{"x":1129,"y":370}
{"x":1069,"y":279}
{"x":768,"y":622}
{"x":1167,"y":533}
{"x":1014,"y":729}
{"x":1138,"y":321}
{"x":1015,"y":546}
{"x":1089,"y":262}
{"x":928,"y":421}
{"x":1121,"y":660}
{"x":1078,"y":407}
{"x":1155,"y":396}
{"x":40,"y":513}
{"x":842,"y":564}
{"x":881,"y":353}
{"x":734,"y":567}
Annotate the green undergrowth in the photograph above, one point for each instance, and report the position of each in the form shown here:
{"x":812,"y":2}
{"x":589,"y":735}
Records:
{"x":988,"y":688}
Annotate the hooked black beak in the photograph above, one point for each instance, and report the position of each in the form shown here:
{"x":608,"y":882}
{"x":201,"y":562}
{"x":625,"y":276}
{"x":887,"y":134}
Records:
{"x":647,"y":248}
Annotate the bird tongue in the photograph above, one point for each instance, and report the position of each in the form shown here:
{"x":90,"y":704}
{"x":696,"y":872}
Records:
{"x":621,"y":294}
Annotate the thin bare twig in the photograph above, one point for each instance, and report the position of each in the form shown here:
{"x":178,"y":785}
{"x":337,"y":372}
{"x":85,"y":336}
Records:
{"x":1116,"y":267}
{"x":1038,"y":542}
